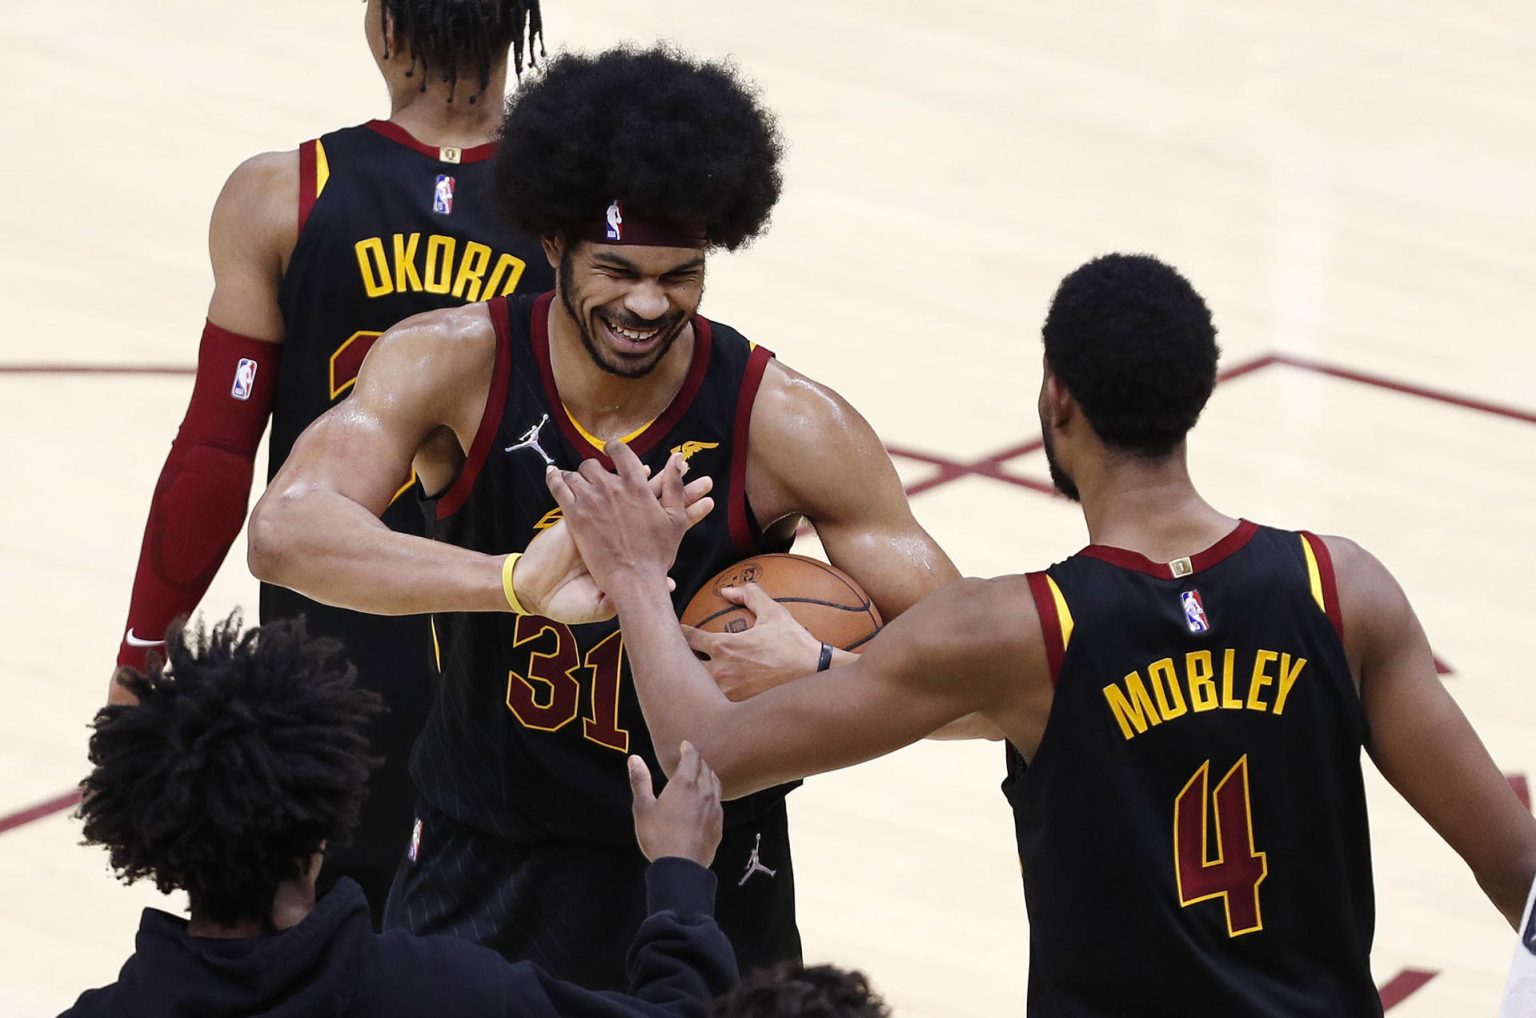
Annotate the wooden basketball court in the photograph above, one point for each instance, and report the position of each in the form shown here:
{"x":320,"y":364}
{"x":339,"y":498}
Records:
{"x":1347,"y":182}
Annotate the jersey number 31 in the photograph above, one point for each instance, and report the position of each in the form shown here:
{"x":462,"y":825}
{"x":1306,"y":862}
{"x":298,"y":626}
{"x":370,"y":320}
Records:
{"x":548,"y":697}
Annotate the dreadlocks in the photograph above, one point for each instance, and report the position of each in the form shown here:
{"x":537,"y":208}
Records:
{"x":446,"y":34}
{"x":244,"y":755}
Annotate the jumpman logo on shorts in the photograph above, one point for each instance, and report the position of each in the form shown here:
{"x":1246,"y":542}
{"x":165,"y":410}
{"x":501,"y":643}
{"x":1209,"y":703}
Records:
{"x":530,"y":440}
{"x":754,"y":864}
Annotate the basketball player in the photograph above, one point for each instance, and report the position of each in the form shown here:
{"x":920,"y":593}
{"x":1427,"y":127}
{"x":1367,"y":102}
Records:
{"x":229,"y":779}
{"x":1185,"y":664}
{"x":630,"y":165}
{"x":315,"y":252}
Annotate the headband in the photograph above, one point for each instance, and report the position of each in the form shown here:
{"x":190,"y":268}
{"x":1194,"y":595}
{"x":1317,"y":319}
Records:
{"x":620,"y":226}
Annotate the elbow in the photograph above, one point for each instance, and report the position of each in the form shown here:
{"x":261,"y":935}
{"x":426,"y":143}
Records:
{"x":265,"y":539}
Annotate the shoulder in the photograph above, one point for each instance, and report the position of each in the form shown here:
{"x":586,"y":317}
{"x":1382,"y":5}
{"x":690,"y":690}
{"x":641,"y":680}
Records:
{"x":259,"y":203}
{"x":788,"y":402}
{"x":448,"y":341}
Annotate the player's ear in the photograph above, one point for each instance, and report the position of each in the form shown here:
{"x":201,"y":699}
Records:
{"x":554,"y":247}
{"x":1057,"y":407}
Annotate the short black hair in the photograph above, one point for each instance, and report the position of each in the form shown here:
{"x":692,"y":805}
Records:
{"x":674,"y":138}
{"x":789,"y":989}
{"x":447,"y":34}
{"x":1134,"y":344}
{"x":245,"y":753}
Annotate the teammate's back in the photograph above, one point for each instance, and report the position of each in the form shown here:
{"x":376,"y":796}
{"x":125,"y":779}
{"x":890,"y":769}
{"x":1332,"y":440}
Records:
{"x":1195,"y":805}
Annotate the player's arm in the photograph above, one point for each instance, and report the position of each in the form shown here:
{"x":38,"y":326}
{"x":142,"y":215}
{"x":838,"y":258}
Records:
{"x":200,"y":497}
{"x":813,"y":455}
{"x":419,"y":400}
{"x":1419,"y":738}
{"x":963,"y":650}
{"x":317,"y":528}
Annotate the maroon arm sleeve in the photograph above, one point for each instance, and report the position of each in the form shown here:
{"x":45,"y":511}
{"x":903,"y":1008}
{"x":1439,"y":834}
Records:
{"x":199,"y":502}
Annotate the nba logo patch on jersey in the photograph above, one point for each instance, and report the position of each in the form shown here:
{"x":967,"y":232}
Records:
{"x":1194,"y":612}
{"x":615,"y":220}
{"x":245,"y":379}
{"x":415,"y":849}
{"x":442,"y":195}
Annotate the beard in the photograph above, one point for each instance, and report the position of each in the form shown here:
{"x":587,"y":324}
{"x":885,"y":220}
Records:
{"x":670,"y":327}
{"x":1059,"y":477}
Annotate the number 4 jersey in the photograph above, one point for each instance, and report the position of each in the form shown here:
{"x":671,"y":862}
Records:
{"x":1193,"y":828}
{"x":533,"y":719}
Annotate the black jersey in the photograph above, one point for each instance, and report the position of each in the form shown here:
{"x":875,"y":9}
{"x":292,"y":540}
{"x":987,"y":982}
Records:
{"x":388,"y":227}
{"x":528,"y":734}
{"x":1193,"y":828}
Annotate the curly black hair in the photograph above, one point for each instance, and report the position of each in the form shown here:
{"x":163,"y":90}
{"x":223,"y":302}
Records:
{"x":790,"y":990}
{"x":1134,"y":343}
{"x":445,"y":34}
{"x":245,"y":753}
{"x":676,"y":139}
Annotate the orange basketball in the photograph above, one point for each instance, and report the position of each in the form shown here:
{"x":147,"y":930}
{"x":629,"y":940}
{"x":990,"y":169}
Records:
{"x":822,"y":598}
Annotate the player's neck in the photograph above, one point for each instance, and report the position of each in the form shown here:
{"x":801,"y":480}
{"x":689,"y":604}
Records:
{"x":294,"y":901}
{"x":608,"y":405}
{"x":433,"y":120}
{"x":1149,"y":506}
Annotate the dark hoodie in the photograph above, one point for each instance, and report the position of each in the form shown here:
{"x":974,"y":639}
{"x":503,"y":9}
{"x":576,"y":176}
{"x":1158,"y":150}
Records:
{"x":332,"y":965}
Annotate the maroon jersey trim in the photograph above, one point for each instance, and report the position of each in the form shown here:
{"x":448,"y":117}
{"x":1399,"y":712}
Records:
{"x":394,"y":132}
{"x":1050,"y":622}
{"x":1239,"y":536}
{"x":307,"y":194}
{"x":746,"y":397}
{"x":657,"y":429}
{"x":1330,"y":585}
{"x":490,"y":421}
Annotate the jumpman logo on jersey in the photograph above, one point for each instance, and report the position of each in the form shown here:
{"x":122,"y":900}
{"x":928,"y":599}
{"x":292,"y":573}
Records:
{"x":755,"y":864}
{"x":530,"y":440}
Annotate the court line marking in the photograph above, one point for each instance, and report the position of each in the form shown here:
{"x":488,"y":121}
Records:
{"x":1404,"y":985}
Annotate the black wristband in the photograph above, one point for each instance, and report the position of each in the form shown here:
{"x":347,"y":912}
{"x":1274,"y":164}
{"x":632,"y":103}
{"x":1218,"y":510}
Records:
{"x":825,"y":661}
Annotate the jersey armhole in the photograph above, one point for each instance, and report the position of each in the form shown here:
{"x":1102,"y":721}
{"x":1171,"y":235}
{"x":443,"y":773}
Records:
{"x":737,"y":509}
{"x":1320,"y":579}
{"x":450,"y":501}
{"x":1055,"y":620}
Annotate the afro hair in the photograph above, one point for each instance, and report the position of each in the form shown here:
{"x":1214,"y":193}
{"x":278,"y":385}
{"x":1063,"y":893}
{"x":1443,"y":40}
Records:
{"x":674,"y":138}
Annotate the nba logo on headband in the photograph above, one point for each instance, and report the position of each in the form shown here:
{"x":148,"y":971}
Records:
{"x":615,"y":220}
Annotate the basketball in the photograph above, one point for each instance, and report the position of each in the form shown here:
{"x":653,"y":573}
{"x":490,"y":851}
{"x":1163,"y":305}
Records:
{"x":822,"y":598}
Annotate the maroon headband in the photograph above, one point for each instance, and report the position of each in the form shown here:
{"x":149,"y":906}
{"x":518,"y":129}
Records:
{"x":620,"y":226}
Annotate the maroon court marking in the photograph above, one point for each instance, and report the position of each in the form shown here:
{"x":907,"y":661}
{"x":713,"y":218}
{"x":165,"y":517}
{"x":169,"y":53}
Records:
{"x":1404,"y":985}
{"x":1441,"y":668}
{"x":42,"y":809}
{"x":1522,"y":787}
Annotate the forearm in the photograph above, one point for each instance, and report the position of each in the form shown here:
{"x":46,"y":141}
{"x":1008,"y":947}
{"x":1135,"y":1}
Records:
{"x":332,"y":549}
{"x":677,"y":695}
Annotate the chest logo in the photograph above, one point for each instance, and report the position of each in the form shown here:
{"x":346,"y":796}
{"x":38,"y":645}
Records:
{"x":530,"y":440}
{"x":755,"y":864}
{"x":1194,"y":612}
{"x":549,"y":519}
{"x":442,"y":195}
{"x":687,"y":449}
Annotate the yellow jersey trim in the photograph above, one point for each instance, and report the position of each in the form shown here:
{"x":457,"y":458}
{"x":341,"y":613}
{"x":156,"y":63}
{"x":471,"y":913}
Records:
{"x":598,"y":443}
{"x":1063,"y":614}
{"x":1314,"y":574}
{"x":322,"y":168}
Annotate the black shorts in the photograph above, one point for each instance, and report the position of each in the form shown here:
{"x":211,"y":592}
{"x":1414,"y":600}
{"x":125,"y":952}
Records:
{"x":574,"y":907}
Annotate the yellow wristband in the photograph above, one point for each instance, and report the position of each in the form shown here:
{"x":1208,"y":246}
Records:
{"x":507,"y":566}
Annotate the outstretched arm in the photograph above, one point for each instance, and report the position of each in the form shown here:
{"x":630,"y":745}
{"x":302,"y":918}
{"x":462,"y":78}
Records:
{"x":956,"y":653}
{"x":1421,"y":741}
